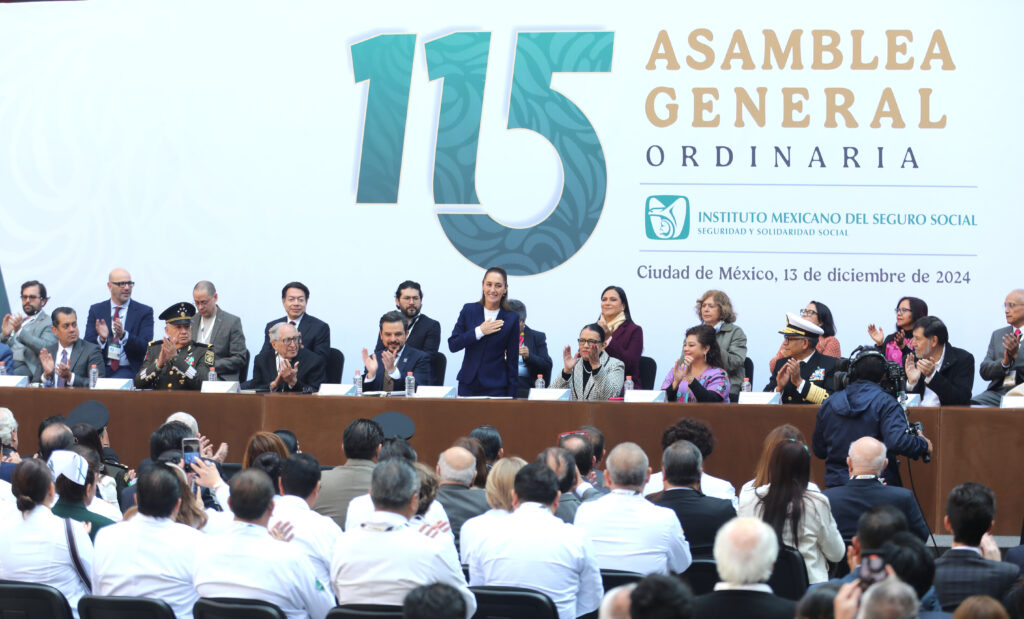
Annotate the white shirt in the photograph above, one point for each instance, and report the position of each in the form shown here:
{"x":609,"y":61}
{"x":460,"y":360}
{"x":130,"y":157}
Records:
{"x":110,"y":332}
{"x":148,"y":557}
{"x":246,"y":562}
{"x":35,"y":549}
{"x":206,"y":328}
{"x":630,"y":533}
{"x":534,"y":549}
{"x":488,"y":315}
{"x":382,"y":560}
{"x":476,"y":532}
{"x":930,"y":398}
{"x":360,"y":510}
{"x":315,"y":533}
{"x":819,"y":536}
{"x":709,"y":485}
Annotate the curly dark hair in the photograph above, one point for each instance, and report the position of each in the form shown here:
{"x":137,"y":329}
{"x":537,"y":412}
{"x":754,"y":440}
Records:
{"x":686,"y":429}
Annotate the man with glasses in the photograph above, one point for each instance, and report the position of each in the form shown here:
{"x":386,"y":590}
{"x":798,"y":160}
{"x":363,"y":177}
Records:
{"x":287,"y":366}
{"x":1003,"y":365}
{"x":221,"y":331}
{"x":121,"y":326}
{"x":27,"y":334}
{"x":804,"y":375}
{"x":424,"y":333}
{"x":176,"y":363}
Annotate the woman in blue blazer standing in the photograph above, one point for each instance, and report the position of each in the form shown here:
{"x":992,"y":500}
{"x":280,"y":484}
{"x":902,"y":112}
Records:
{"x":489,"y":332}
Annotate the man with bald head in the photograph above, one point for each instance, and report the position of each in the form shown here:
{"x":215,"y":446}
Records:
{"x":1003,"y":366}
{"x":461,"y":501}
{"x":121,"y":326}
{"x":628,"y":531}
{"x":221,"y":331}
{"x":865,"y":490}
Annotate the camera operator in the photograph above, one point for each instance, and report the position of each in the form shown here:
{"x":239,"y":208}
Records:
{"x":864,"y":409}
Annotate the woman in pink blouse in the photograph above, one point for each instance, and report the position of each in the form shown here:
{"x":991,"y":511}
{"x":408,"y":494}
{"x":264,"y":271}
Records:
{"x":697,"y":375}
{"x":818,"y":313}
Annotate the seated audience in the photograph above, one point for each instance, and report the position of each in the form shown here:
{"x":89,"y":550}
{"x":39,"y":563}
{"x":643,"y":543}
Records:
{"x":596,"y":437}
{"x":534,"y":359}
{"x":475,"y":532}
{"x":941,"y":373}
{"x":875,"y":527}
{"x":980,"y":607}
{"x":800,"y":517}
{"x":616,"y":602}
{"x":475,"y":447}
{"x":890,"y":598}
{"x":745,"y":554}
{"x":383,"y":559}
{"x":234,"y":563}
{"x":561,"y":462}
{"x":626,"y":531}
{"x":804,"y":375}
{"x":76,"y":471}
{"x":697,"y":375}
{"x":778,"y":434}
{"x":590,"y":374}
{"x":866,"y":488}
{"x":700,"y":516}
{"x":490,"y":438}
{"x":291,"y":442}
{"x":964,"y":570}
{"x":1003,"y":364}
{"x":898,"y":345}
{"x":260,"y":443}
{"x":34,"y":548}
{"x":1014,"y":600}
{"x":578,"y":444}
{"x":150,"y":555}
{"x":914,"y":564}
{"x":698,"y":433}
{"x":361,"y":443}
{"x":714,"y":308}
{"x":828,"y":345}
{"x":461,"y":501}
{"x":817,"y":602}
{"x":532,"y":548}
{"x":660,"y":597}
{"x":434,"y":601}
{"x":622,"y":338}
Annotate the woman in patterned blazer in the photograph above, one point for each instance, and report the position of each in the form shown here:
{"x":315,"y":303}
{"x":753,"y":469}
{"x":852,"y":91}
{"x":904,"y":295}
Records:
{"x":591,"y":374}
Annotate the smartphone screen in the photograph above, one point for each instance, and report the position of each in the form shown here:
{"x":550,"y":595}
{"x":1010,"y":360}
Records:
{"x":872,"y":570}
{"x":190,"y":450}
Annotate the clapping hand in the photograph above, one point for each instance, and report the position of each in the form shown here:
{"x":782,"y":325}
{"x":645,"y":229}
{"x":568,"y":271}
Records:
{"x":898,"y":339}
{"x":569,"y":359}
{"x":782,"y":378}
{"x":593,"y":355}
{"x":913,"y":372}
{"x":370,"y":362}
{"x":431,"y":530}
{"x":793,"y":371}
{"x":102,"y":330}
{"x":1010,"y":347}
{"x":167,"y":352}
{"x":282,"y":531}
{"x":118,"y":329}
{"x":679,"y":372}
{"x":389,"y":359}
{"x":876,"y":334}
{"x":12,"y":324}
{"x":46,"y":360}
{"x":927,"y":366}
{"x":491,"y":326}
{"x":288,"y":373}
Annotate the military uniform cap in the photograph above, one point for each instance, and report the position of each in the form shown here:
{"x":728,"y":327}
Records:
{"x":179,"y":313}
{"x":800,"y":327}
{"x":90,"y":412}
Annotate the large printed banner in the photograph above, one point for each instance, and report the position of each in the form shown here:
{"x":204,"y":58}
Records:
{"x":846,"y":153}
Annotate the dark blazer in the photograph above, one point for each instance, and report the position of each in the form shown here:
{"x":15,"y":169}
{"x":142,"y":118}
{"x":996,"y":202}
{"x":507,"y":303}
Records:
{"x":316,"y":336}
{"x":859,"y":495}
{"x":311,"y":372}
{"x":816,"y":361}
{"x":461,"y":504}
{"x":992,"y":366}
{"x":138,"y":322}
{"x":954,"y":381}
{"x":228,"y":343}
{"x":700,"y":516}
{"x":747,"y":604}
{"x":412,"y":360}
{"x":1015,"y":555}
{"x":424,"y":335}
{"x":627,"y":344}
{"x":83,"y":354}
{"x":962,"y":572}
{"x":493,"y":360}
{"x":539,"y":361}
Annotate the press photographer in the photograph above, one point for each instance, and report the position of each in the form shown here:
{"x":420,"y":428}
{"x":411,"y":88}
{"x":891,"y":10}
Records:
{"x":864,"y":408}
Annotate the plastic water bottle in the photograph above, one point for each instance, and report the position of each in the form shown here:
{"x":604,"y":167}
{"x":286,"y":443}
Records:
{"x":212,"y":375}
{"x":3,"y":369}
{"x":94,"y":376}
{"x":540,"y":384}
{"x":358,"y":380}
{"x":410,"y":385}
{"x":746,"y":385}
{"x":627,"y":385}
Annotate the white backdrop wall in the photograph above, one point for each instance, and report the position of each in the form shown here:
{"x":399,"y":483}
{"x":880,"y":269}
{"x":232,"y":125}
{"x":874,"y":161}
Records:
{"x":221,"y":140}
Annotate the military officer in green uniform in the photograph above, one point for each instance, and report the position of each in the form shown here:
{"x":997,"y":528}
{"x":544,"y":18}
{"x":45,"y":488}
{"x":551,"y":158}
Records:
{"x":176,"y":363}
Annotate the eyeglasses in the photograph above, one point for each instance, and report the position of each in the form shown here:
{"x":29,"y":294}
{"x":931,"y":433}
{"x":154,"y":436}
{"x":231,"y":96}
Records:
{"x":807,"y":312}
{"x":903,"y":310}
{"x":288,"y":341}
{"x":123,"y":284}
{"x":582,"y":341}
{"x":30,"y":297}
{"x":408,"y":298}
{"x":1008,"y":306}
{"x":794,"y":338}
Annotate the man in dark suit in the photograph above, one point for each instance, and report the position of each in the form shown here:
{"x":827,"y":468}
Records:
{"x":287,"y":367}
{"x":804,"y":375}
{"x":1003,"y":366}
{"x":942,"y":374}
{"x":67,"y":363}
{"x":700,"y":516}
{"x":121,"y":326}
{"x":533,"y":352}
{"x":461,"y":501}
{"x":745,"y":553}
{"x":424,"y":333}
{"x":221,"y":331}
{"x":315,"y":334}
{"x":865,"y":489}
{"x":965,"y":569}
{"x":397,"y":357}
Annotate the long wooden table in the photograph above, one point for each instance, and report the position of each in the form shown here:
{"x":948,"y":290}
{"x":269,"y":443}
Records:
{"x":970,"y":444}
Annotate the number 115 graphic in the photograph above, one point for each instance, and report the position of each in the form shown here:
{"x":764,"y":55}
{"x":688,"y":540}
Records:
{"x":460,"y":59}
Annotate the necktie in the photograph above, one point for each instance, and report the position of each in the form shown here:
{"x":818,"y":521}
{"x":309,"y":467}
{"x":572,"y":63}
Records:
{"x":1016,"y":334}
{"x":291,"y":322}
{"x":61,"y":383}
{"x":115,"y":363}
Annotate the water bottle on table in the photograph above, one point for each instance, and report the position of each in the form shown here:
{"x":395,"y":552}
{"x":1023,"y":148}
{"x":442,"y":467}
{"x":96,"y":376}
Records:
{"x":410,"y":385}
{"x":540,"y":384}
{"x":627,"y":385}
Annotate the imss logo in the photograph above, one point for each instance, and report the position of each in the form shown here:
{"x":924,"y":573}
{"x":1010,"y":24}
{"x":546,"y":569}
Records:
{"x":667,"y":217}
